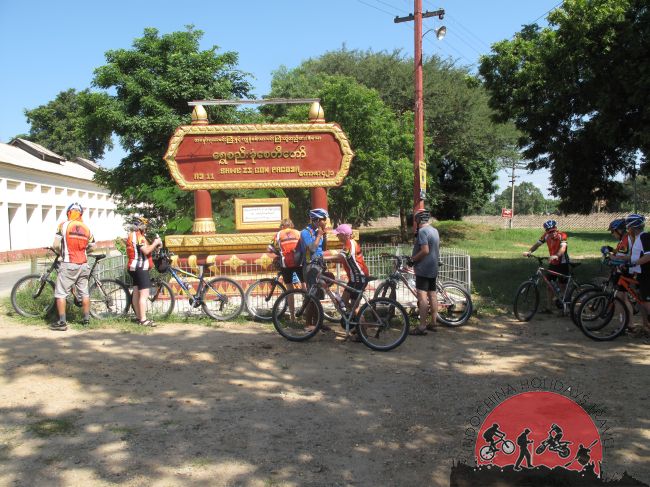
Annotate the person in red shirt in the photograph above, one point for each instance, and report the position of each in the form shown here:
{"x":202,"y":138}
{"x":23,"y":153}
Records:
{"x":73,"y":238}
{"x":558,"y":261}
{"x":138,"y":251}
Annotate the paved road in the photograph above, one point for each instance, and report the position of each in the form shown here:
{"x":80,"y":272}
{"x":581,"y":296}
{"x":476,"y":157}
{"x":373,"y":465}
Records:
{"x":10,"y":273}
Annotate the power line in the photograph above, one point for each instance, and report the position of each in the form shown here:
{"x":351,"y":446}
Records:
{"x":548,"y":11}
{"x":375,"y":7}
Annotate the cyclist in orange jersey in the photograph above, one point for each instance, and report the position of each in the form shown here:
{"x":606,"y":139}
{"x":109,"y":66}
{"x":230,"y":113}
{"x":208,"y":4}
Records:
{"x":73,"y":238}
{"x":558,"y":261}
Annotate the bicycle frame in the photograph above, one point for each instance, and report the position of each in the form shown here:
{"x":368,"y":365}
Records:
{"x":324,"y":282}
{"x":195,"y":298}
{"x":399,"y":275}
{"x":543,"y":273}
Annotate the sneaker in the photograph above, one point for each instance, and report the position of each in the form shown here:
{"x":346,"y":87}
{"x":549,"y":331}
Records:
{"x":59,"y":326}
{"x":85,"y":322}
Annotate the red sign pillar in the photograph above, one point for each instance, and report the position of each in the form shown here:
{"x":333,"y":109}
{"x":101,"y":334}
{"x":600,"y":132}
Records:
{"x":203,"y":221}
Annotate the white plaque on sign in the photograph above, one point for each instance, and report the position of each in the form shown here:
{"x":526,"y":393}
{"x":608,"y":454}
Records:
{"x":258,"y":214}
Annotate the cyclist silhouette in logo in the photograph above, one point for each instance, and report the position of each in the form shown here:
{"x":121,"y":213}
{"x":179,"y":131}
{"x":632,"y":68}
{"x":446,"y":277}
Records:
{"x":524,"y":452}
{"x":554,"y":443}
{"x":494,"y":445}
{"x":583,"y":456}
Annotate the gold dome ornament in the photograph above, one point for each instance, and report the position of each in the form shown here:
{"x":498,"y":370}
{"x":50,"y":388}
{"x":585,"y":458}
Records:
{"x":316,"y":113}
{"x":199,"y":116}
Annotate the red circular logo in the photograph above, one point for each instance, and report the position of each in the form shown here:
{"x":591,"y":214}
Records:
{"x":539,"y":428}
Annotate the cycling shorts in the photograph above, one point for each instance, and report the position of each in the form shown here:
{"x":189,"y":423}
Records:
{"x":425,"y":283}
{"x":72,"y":275}
{"x":287,"y":273}
{"x":140,"y":278}
{"x":358,"y":285}
{"x":644,"y":286}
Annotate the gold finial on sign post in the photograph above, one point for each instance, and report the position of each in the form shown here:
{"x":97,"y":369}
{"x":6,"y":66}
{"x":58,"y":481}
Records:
{"x":199,"y":116}
{"x":316,"y":113}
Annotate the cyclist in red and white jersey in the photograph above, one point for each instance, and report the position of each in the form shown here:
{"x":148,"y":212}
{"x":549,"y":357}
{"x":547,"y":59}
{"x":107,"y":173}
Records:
{"x":351,"y":258}
{"x":138,"y":251}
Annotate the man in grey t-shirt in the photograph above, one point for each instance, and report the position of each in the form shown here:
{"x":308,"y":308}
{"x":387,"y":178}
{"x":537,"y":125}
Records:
{"x":425,"y":257}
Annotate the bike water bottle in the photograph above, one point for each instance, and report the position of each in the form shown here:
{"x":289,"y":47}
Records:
{"x":295,"y":279}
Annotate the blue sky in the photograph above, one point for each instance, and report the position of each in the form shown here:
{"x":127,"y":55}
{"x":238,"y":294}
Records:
{"x":47,"y":47}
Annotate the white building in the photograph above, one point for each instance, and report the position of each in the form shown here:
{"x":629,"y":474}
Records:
{"x":36,"y":187}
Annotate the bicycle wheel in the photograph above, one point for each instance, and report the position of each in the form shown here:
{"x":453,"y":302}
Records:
{"x":297,"y":315}
{"x":261,"y":296}
{"x":487,"y":453}
{"x":382,"y":324}
{"x":603,"y":317}
{"x":454,"y":304}
{"x":578,"y":300}
{"x":526,"y":301}
{"x":386,"y":289}
{"x":161,"y":301}
{"x":33,"y":297}
{"x":109,"y":298}
{"x":223,"y":298}
{"x":508,"y":447}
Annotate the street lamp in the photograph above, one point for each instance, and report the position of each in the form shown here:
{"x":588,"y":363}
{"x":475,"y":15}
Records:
{"x":419,"y":165}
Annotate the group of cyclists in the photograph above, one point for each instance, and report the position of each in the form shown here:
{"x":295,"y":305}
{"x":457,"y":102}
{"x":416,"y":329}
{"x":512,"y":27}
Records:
{"x":632,"y":254}
{"x":72,"y":242}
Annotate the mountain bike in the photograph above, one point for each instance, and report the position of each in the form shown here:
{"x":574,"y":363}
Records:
{"x":527,"y":296}
{"x":603,"y":316}
{"x":382,"y":324}
{"x":262,"y":294}
{"x":454,"y":302}
{"x":33,"y":295}
{"x":221,"y":298}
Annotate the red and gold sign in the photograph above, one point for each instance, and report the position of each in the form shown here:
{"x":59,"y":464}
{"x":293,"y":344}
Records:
{"x":259,"y":156}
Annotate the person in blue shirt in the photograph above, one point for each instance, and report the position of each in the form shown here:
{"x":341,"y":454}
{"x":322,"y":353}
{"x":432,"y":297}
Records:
{"x":312,"y":245}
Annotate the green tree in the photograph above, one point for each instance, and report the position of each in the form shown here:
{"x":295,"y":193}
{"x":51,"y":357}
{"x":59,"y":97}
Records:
{"x":528,"y":199}
{"x":462,"y":143}
{"x":70,"y":126}
{"x":578,"y":91}
{"x":373,"y":187}
{"x":152,"y":83}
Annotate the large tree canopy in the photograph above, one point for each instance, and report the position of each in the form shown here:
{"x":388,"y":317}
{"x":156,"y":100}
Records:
{"x":579,"y":91}
{"x":152,"y":83}
{"x":463,"y":144}
{"x":69,"y":125}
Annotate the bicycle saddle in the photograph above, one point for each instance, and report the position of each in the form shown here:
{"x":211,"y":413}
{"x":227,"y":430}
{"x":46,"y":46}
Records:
{"x":98,"y":256}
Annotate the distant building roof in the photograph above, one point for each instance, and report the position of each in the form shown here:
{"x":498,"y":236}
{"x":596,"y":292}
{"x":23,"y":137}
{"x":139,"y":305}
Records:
{"x":17,"y":155}
{"x":37,"y":150}
{"x":87,"y":163}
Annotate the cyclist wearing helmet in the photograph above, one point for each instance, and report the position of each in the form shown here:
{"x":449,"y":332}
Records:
{"x":621,"y":253}
{"x":73,"y":238}
{"x":640,"y":264}
{"x":493,"y":434}
{"x":138,"y":251}
{"x":425,"y":257}
{"x":312,"y":245}
{"x":558,"y":261}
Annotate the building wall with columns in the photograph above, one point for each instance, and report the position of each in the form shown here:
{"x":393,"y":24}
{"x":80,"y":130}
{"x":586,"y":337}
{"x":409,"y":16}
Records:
{"x":36,"y":189}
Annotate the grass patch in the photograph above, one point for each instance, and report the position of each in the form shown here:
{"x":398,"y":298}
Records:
{"x":52,"y":427}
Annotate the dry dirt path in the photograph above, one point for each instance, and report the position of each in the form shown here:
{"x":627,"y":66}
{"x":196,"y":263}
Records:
{"x":236,"y":404}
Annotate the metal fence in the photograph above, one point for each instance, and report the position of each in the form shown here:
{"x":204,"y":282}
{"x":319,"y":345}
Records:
{"x":456,"y":267}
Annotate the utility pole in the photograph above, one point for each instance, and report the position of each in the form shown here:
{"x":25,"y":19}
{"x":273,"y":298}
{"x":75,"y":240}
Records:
{"x":419,"y":165}
{"x":512,"y":201}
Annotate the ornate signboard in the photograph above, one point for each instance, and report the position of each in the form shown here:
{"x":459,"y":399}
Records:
{"x":258,"y":156}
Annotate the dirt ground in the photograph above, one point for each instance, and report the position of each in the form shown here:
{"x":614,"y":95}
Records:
{"x":237,"y":405}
